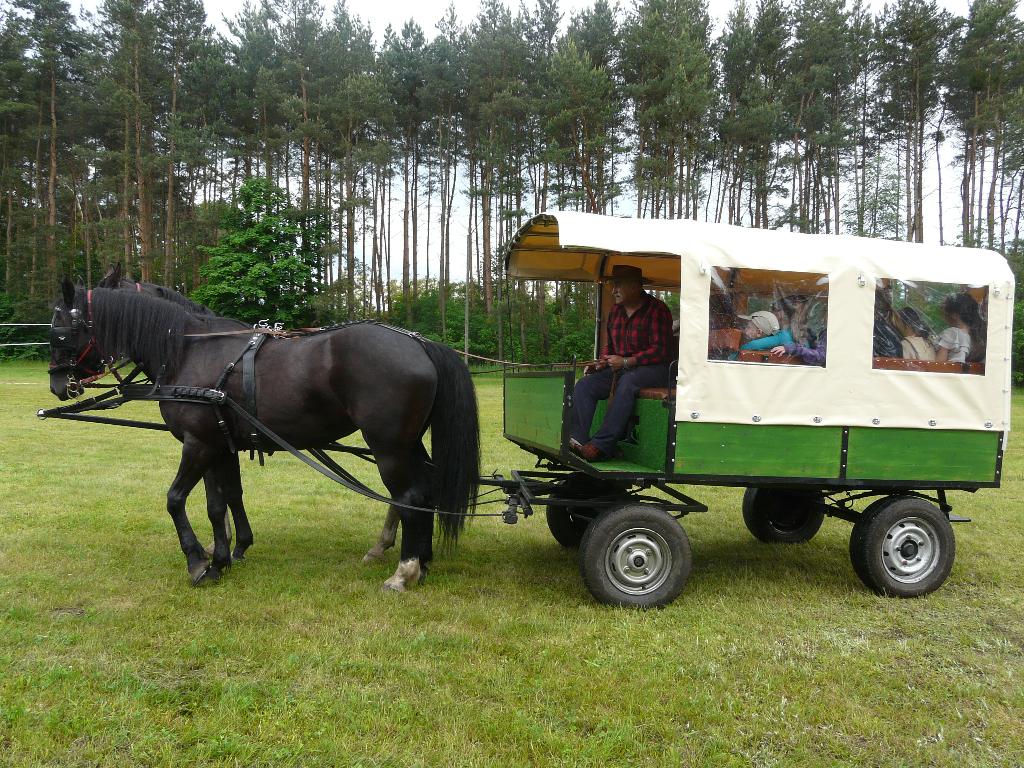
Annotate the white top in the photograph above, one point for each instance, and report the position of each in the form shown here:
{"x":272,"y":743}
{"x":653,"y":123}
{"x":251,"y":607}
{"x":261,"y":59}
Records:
{"x":958,"y":342}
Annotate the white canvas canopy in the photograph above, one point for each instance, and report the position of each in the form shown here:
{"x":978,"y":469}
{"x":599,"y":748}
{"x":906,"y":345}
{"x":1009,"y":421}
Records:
{"x":848,"y":391}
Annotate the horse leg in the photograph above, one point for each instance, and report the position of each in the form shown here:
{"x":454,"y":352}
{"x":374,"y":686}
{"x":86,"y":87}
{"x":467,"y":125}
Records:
{"x":217,"y":511}
{"x":231,"y":485}
{"x":386,"y":540}
{"x":407,"y":476}
{"x":195,"y":460}
{"x":389,"y":532}
{"x":214,"y":502}
{"x":228,"y":480}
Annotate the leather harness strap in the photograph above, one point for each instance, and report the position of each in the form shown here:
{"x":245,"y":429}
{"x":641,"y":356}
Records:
{"x":249,"y":389}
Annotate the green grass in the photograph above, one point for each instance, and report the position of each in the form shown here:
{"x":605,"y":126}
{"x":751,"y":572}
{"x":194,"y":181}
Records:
{"x":772,"y":655}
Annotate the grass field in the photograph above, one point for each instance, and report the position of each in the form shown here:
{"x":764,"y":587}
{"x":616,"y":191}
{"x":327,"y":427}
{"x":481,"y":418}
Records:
{"x":773,"y":655}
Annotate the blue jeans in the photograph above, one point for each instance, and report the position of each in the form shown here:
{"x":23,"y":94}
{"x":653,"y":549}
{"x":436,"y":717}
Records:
{"x":597,"y":386}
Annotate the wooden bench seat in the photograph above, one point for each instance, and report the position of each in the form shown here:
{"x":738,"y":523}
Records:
{"x":725,"y":339}
{"x":654,"y":393}
{"x":927,"y":366}
{"x":764,"y":356}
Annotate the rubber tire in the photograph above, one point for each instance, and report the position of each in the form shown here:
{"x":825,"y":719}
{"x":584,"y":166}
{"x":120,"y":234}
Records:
{"x":602,"y":533}
{"x":567,"y":530}
{"x":872,"y":509}
{"x":868,"y":536}
{"x":764,"y":510}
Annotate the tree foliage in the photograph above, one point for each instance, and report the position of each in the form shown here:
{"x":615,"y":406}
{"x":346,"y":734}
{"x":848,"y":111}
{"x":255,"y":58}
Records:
{"x":406,"y":157}
{"x":261,"y":269}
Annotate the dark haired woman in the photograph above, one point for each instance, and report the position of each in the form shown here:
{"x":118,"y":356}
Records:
{"x":964,"y":339}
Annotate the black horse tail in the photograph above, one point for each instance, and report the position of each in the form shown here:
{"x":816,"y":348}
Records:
{"x":454,"y":441}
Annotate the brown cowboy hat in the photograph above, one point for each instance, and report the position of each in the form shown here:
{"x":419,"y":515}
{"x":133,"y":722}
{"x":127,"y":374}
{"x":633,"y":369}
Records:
{"x":627,"y":272}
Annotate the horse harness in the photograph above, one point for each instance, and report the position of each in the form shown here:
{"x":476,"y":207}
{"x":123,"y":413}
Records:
{"x":126,"y":390}
{"x":247,"y":358}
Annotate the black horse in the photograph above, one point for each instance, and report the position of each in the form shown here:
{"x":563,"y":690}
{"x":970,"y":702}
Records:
{"x":310,"y":390}
{"x":229,"y":479}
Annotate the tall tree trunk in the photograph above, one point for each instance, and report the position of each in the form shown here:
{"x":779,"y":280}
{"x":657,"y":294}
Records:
{"x":907,"y":185}
{"x":126,"y":232}
{"x":469,"y":271}
{"x":37,"y":179}
{"x":443,"y":234}
{"x":350,"y":233}
{"x":145,"y":203}
{"x":990,"y":218}
{"x":86,"y":228}
{"x":8,"y":239}
{"x":415,"y":219}
{"x":51,"y":187}
{"x":406,"y":297}
{"x":169,"y":243}
{"x":486,"y":180}
{"x":305,"y":138}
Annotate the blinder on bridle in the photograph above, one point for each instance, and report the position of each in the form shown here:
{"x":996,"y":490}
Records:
{"x":65,"y":341}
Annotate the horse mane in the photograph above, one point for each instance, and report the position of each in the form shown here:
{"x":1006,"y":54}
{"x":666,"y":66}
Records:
{"x":192,"y":307}
{"x":143,"y":328}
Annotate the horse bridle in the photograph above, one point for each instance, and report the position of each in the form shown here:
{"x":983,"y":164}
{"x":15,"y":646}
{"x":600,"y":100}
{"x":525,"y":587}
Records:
{"x":65,"y":338}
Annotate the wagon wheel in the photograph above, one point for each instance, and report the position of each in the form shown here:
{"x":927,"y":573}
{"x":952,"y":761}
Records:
{"x":567,"y":524}
{"x":782,"y":516}
{"x":902,"y":546}
{"x":636,"y":556}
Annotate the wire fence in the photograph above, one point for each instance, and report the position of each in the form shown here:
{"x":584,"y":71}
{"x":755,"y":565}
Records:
{"x":24,"y":343}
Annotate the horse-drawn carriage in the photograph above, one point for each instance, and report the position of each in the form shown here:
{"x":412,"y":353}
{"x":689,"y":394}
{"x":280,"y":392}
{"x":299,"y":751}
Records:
{"x":867,"y":424}
{"x":891,"y":415}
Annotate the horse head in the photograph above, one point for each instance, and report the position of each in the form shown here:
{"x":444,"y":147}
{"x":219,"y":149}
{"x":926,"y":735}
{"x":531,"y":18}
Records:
{"x":74,"y":354}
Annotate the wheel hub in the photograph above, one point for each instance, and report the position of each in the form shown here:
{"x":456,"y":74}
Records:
{"x":910,"y":550}
{"x":638,"y":560}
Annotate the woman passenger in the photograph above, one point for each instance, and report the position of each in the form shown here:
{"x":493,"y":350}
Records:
{"x":964,"y":339}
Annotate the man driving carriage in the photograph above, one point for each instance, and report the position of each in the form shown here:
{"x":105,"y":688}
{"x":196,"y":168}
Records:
{"x":635,"y":356}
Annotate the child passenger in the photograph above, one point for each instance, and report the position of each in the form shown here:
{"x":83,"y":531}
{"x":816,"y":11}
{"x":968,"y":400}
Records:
{"x":762,"y":331}
{"x":808,"y":355}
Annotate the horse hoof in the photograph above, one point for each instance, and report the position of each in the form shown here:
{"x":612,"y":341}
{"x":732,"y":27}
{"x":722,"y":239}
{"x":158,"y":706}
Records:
{"x":238,"y":557}
{"x":205,"y":573}
{"x":393,"y":585}
{"x":372,"y":557}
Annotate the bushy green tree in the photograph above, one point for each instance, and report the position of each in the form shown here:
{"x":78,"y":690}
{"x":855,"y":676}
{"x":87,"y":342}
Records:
{"x":260,"y":269}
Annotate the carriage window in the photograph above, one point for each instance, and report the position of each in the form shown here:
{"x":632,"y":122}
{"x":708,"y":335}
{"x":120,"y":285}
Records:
{"x":769,"y":317}
{"x":930,"y":327}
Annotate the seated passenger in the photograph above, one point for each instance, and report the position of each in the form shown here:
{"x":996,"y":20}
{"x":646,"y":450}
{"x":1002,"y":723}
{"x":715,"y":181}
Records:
{"x":915,"y":331}
{"x":762,"y":331}
{"x":808,"y":355}
{"x":792,"y":312}
{"x":638,"y":350}
{"x":964,"y":339}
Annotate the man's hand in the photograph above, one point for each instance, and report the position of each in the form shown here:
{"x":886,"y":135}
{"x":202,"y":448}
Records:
{"x":616,"y":362}
{"x":778,"y":351}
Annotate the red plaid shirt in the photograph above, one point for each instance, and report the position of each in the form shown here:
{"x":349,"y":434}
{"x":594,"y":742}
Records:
{"x":646,"y":336}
